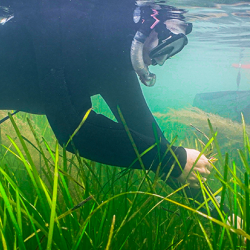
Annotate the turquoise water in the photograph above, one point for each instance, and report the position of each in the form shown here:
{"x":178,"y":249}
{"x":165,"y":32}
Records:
{"x":205,"y":65}
{"x":220,"y":33}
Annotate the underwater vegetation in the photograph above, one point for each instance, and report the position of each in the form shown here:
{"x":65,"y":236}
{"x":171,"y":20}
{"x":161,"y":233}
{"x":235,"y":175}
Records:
{"x":230,"y":135}
{"x":50,"y":199}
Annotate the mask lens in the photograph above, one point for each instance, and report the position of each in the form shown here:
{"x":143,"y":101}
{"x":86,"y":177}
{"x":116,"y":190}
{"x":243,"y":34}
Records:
{"x":168,"y":48}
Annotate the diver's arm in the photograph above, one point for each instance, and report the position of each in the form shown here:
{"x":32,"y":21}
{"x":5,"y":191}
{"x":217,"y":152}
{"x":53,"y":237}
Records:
{"x":123,"y":90}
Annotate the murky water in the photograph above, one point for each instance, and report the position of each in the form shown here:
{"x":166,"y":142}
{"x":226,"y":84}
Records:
{"x":220,"y":38}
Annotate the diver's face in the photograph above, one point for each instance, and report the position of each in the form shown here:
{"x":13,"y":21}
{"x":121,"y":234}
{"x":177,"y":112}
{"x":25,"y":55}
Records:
{"x":175,"y":26}
{"x":151,"y":42}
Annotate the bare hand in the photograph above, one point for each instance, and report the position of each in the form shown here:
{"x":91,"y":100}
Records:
{"x":239,"y":220}
{"x":202,"y":166}
{"x":239,"y":226}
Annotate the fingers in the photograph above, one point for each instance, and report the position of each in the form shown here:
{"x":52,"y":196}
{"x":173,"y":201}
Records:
{"x":194,"y":181}
{"x":209,"y":166}
{"x":239,"y":225}
{"x":204,"y":180}
{"x":202,"y":166}
{"x":203,"y":171}
{"x":195,"y":185}
{"x":204,"y":162}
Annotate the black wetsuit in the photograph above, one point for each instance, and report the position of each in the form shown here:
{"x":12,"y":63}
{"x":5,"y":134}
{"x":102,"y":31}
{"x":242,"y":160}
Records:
{"x":55,"y":56}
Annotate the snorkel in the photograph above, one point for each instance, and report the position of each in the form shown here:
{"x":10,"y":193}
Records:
{"x":146,"y":77}
{"x":147,"y":26}
{"x":168,"y":24}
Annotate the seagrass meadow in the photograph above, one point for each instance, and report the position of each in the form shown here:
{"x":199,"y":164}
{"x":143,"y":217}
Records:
{"x":51,"y":199}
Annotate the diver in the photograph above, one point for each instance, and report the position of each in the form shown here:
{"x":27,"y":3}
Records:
{"x":55,"y":55}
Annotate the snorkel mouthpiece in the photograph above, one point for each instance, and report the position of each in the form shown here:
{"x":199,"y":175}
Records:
{"x":146,"y":77}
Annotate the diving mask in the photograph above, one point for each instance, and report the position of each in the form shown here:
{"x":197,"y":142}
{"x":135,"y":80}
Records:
{"x":171,"y":40}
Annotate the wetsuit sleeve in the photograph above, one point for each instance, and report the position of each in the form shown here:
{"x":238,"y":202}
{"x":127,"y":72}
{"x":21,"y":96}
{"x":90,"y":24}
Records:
{"x":123,"y":89}
{"x":103,"y":140}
